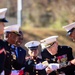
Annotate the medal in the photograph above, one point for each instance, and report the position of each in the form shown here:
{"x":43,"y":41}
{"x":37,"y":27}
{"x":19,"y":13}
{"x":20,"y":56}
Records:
{"x":13,"y":55}
{"x":54,"y":59}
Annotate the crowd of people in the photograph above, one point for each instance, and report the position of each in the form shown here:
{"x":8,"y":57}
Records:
{"x":13,"y":60}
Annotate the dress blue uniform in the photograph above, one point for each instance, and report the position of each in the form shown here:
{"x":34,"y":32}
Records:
{"x":30,"y":66}
{"x":10,"y":53}
{"x":62,"y":56}
{"x":2,"y":44}
{"x":20,"y":58}
{"x":33,"y":59}
{"x":9,"y":58}
{"x":2,"y":56}
{"x":12,"y":60}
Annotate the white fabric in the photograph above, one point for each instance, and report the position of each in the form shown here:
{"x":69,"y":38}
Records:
{"x":62,"y":74}
{"x":15,"y":72}
{"x":69,"y":27}
{"x":12,"y":28}
{"x":40,"y":66}
{"x":48,"y":40}
{"x":32,"y":44}
{"x":3,"y":73}
{"x":54,"y":66}
{"x":2,"y":13}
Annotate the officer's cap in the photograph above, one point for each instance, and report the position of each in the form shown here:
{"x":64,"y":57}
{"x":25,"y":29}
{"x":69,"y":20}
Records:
{"x":48,"y":41}
{"x":2,"y":15}
{"x":69,"y":28}
{"x":12,"y":28}
{"x":32,"y":45}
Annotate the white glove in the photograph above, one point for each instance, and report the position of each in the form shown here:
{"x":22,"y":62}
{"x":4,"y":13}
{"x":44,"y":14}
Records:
{"x":15,"y":72}
{"x":40,"y":66}
{"x":54,"y":66}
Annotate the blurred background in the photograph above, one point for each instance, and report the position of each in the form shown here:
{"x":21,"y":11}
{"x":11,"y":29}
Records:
{"x":42,"y":18}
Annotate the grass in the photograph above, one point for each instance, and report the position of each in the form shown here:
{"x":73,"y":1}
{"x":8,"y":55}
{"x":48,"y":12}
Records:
{"x":32,"y":33}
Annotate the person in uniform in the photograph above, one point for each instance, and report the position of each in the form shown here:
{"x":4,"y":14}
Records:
{"x":54,"y":53}
{"x":2,"y":48}
{"x":33,"y":63}
{"x":71,"y":33}
{"x":11,"y":37}
{"x":2,"y":20}
{"x":19,"y":63}
{"x":70,"y":30}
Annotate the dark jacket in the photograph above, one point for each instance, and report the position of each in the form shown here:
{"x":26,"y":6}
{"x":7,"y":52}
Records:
{"x":20,"y":60}
{"x":10,"y":62}
{"x":63,"y":56}
{"x":2,"y":56}
{"x":30,"y":67}
{"x":9,"y":59}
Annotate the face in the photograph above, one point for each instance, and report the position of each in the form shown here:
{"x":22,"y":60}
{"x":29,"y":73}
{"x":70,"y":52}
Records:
{"x":33,"y":53}
{"x":19,"y":40}
{"x":1,"y":27}
{"x":53,"y":49}
{"x":12,"y":38}
{"x":72,"y":35}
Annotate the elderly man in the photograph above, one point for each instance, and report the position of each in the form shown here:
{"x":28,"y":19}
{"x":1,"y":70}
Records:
{"x":2,"y":48}
{"x":54,"y":53}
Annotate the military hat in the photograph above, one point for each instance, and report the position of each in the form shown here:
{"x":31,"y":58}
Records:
{"x":47,"y":42}
{"x":12,"y":28}
{"x":2,"y":15}
{"x":32,"y":45}
{"x":69,"y":28}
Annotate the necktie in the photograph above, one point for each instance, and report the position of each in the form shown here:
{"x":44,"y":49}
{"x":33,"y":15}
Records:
{"x":16,"y":51}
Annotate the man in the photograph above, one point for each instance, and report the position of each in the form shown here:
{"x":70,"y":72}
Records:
{"x":33,"y":62}
{"x":70,"y":30}
{"x":71,"y":33}
{"x":2,"y":48}
{"x":12,"y":36}
{"x":2,"y":20}
{"x":54,"y":53}
{"x":19,"y":63}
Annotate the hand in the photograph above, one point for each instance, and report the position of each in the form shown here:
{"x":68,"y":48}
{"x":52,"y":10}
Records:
{"x":73,"y":61}
{"x":39,"y":66}
{"x":48,"y":70}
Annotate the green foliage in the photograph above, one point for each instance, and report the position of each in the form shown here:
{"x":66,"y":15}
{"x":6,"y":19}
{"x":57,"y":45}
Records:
{"x":56,"y":25}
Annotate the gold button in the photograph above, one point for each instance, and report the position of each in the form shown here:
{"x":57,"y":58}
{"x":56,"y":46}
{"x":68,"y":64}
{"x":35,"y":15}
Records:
{"x":36,"y":71}
{"x":35,"y":62}
{"x":8,"y":44}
